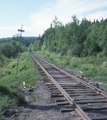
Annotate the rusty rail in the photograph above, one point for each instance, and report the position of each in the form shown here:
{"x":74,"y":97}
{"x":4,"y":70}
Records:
{"x":70,"y":100}
{"x":97,"y":90}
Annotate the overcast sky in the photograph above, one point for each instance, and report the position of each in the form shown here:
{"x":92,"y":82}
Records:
{"x":36,"y":15}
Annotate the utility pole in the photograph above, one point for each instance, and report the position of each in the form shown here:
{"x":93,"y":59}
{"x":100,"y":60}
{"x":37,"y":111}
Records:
{"x":20,"y":30}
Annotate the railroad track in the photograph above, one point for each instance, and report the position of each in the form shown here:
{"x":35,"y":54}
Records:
{"x":73,"y":93}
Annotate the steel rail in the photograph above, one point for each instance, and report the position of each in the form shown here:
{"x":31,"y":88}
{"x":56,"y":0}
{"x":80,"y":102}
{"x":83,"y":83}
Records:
{"x":95,"y":89}
{"x":70,"y":100}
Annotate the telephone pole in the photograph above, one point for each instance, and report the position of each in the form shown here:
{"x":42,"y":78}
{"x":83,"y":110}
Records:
{"x":20,"y":30}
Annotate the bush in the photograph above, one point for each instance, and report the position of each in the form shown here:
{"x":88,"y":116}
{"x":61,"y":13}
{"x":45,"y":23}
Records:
{"x":87,"y":66}
{"x":47,"y":56}
{"x":100,"y":55}
{"x":101,"y":71}
{"x":9,"y":92}
{"x":21,"y":99}
{"x":74,"y":62}
{"x":12,"y":64}
{"x":8,"y":72}
{"x":63,"y":52}
{"x":65,"y":61}
{"x":76,"y":50}
{"x":23,"y":67}
{"x":104,"y":64}
{"x":69,"y":53}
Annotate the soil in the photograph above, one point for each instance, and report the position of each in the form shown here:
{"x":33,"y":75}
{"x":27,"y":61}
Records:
{"x":40,"y":106}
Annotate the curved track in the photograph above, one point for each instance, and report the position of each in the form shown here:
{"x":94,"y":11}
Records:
{"x":75,"y":94}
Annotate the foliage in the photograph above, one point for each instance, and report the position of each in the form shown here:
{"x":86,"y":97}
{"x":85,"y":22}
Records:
{"x":9,"y":46}
{"x":25,"y":40}
{"x":82,"y":38}
{"x":8,"y":77}
{"x":23,"y":67}
{"x":37,"y":45}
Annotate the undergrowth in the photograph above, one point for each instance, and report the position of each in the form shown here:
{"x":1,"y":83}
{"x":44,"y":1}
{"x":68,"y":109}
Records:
{"x":26,"y":73}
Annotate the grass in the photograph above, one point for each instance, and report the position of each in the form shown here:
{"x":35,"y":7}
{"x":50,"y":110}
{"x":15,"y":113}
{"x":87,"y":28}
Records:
{"x":26,"y":73}
{"x":92,"y":67}
{"x":33,"y":96}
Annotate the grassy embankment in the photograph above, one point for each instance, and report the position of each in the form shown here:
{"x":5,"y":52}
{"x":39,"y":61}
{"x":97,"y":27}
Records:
{"x":92,"y":67}
{"x":26,"y":73}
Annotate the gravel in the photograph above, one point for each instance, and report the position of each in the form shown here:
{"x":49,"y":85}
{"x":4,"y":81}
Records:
{"x":40,"y":106}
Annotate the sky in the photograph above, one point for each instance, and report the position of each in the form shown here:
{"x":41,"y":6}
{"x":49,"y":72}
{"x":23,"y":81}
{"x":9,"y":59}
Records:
{"x":37,"y":15}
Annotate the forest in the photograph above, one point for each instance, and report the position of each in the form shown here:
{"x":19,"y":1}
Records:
{"x":9,"y":46}
{"x":76,"y":38}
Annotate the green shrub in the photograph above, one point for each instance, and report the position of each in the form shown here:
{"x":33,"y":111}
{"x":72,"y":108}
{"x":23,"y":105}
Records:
{"x":21,"y":99}
{"x":8,"y":72}
{"x":23,"y":67}
{"x":87,"y":66}
{"x":84,"y":74}
{"x":65,"y":61}
{"x":104,"y":64}
{"x":74,"y":62}
{"x":101,"y":55}
{"x":12,"y":64}
{"x":48,"y":56}
{"x":63,"y":52}
{"x":51,"y":59}
{"x":69,"y":53}
{"x":76,"y":50}
{"x":8,"y":76}
{"x":101,"y":71}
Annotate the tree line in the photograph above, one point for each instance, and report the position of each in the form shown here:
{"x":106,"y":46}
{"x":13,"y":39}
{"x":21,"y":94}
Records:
{"x":9,"y":46}
{"x":24,"y":40}
{"x":76,"y":38}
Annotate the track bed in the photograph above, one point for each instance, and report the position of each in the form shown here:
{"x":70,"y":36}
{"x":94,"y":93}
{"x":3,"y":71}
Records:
{"x":72,"y":93}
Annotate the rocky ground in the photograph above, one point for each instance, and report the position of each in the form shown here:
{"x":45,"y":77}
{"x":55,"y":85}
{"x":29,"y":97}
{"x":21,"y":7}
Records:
{"x":39,"y":104}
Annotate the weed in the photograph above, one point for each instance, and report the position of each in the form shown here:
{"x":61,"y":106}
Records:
{"x":8,"y":76}
{"x":21,"y":99}
{"x":12,"y":64}
{"x":33,"y":97}
{"x":104,"y":64}
{"x":18,"y":110}
{"x":23,"y":67}
{"x":38,"y":96}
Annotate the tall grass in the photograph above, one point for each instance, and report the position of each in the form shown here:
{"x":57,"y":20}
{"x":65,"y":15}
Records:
{"x":26,"y":73}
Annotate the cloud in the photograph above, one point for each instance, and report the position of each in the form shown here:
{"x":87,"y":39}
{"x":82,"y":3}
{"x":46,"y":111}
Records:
{"x":9,"y":31}
{"x":97,"y":15}
{"x":7,"y":28}
{"x":67,"y":8}
{"x":64,"y":9}
{"x":41,"y":20}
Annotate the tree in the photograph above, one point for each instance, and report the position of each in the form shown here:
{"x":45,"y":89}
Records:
{"x":83,"y":38}
{"x":1,"y":58}
{"x":91,"y":41}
